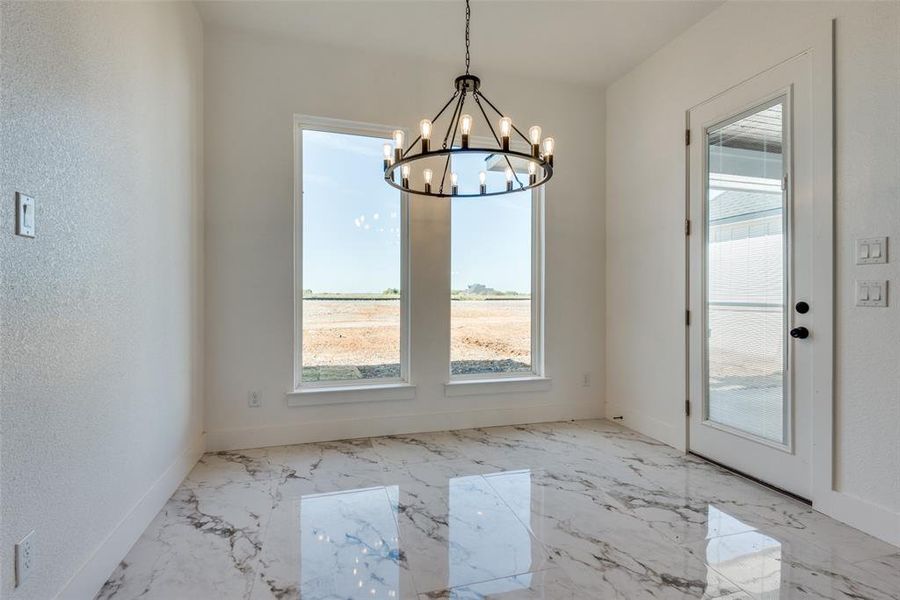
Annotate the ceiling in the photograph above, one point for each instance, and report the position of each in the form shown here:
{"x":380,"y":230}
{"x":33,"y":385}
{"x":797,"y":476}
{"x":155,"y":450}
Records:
{"x":587,"y":42}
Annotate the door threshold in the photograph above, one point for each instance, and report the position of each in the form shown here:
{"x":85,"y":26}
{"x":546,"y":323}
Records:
{"x":754,"y":479}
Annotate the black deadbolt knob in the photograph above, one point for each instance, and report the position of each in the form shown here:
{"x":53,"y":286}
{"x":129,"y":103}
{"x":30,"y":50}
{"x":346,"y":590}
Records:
{"x":800,"y":333}
{"x":802,"y":307}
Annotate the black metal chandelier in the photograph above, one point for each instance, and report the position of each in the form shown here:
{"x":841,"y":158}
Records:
{"x":537,"y":162}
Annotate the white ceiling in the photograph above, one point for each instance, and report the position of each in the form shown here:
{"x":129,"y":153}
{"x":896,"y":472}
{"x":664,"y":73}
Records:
{"x":589,"y":42}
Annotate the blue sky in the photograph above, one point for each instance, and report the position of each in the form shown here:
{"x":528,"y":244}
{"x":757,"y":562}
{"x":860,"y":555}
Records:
{"x":351,"y":222}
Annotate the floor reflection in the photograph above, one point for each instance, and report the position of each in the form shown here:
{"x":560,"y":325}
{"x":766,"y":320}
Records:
{"x":349,"y":545}
{"x":482,"y":532}
{"x":750,"y":559}
{"x":355,"y":544}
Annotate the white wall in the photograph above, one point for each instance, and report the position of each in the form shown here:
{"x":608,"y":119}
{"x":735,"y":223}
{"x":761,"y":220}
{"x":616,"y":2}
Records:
{"x":646,"y":211}
{"x":253,"y":88}
{"x":101,"y":312}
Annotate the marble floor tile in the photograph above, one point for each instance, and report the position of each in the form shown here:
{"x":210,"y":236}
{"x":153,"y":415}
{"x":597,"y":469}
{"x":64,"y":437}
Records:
{"x":205,"y":542}
{"x":417,"y":448}
{"x":770,"y":568}
{"x":235,"y":466}
{"x":886,"y":569}
{"x":325,"y":459}
{"x":540,"y":585}
{"x":573,"y":510}
{"x":607,"y":549}
{"x":335,"y":545}
{"x":460,"y":533}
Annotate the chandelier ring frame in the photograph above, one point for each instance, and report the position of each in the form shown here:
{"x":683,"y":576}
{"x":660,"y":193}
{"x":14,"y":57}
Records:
{"x":542,"y":163}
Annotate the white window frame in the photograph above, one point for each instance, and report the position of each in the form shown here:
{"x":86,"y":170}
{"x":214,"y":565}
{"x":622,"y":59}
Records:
{"x":459,"y":385}
{"x":383,"y":388}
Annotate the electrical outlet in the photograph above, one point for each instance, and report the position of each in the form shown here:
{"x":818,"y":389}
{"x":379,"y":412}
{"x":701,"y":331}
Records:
{"x":24,"y":558}
{"x":254,"y":400}
{"x":586,"y":380}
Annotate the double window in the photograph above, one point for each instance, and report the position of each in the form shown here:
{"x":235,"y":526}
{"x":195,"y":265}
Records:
{"x":352,"y":269}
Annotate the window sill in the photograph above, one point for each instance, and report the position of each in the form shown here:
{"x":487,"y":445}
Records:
{"x":500,"y":385}
{"x":385,"y":392}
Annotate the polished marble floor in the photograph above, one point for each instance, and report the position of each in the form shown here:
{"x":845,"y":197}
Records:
{"x":582,"y":509}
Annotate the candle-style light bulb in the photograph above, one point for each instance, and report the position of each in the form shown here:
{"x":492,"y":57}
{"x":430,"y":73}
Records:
{"x":465,"y":126}
{"x":427,"y":174}
{"x":532,"y":173}
{"x":388,"y":152}
{"x":482,"y":179}
{"x":505,"y":130}
{"x":398,"y":144}
{"x":454,"y":183}
{"x":549,"y":146}
{"x":509,"y":179}
{"x":425,"y":132}
{"x":404,"y":174}
{"x":534,"y":135}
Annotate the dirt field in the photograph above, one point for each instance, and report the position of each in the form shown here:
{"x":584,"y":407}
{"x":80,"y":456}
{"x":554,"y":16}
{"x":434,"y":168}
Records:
{"x":360,"y":339}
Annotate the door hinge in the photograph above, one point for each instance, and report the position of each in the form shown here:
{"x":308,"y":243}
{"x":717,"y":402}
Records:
{"x":687,"y":408}
{"x":784,"y":182}
{"x":687,"y":137}
{"x":687,"y":318}
{"x":687,"y":227}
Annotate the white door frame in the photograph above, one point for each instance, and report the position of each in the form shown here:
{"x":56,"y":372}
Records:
{"x":821,"y":52}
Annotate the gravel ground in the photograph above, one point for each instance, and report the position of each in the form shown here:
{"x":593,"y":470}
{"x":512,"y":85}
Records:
{"x":361,"y":339}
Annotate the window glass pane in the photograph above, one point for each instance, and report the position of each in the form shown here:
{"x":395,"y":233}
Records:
{"x":745,"y":270}
{"x":352,"y":231}
{"x":490,"y":308}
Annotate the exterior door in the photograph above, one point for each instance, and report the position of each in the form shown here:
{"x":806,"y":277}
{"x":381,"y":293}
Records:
{"x":750,"y":292}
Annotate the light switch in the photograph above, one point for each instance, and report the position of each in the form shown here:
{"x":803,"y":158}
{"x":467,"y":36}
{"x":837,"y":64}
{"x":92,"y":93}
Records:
{"x":24,"y":215}
{"x":871,"y":293}
{"x":871,"y":251}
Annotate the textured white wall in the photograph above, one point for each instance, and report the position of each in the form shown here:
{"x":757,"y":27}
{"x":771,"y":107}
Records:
{"x":101,"y":326}
{"x":254,"y":86}
{"x":646,"y":209}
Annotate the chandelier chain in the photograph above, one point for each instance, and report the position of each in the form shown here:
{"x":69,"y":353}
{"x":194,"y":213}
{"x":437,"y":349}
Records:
{"x":468,"y":17}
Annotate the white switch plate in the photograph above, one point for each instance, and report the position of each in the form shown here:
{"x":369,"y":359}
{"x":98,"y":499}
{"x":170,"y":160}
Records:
{"x":24,"y":558}
{"x":24,"y":215}
{"x":871,"y":251}
{"x":871,"y":293}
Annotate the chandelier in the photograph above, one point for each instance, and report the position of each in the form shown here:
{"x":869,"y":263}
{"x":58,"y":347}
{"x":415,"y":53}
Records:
{"x":537,"y":161}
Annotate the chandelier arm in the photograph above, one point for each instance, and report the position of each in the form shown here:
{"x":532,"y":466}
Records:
{"x":454,"y":122}
{"x":496,"y":110}
{"x":440,"y":112}
{"x":478,"y":95}
{"x":453,"y":117}
{"x":457,"y":116}
{"x":444,"y":176}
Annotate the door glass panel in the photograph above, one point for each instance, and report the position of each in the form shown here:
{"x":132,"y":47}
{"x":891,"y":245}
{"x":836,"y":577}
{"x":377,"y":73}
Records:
{"x":745,"y":287}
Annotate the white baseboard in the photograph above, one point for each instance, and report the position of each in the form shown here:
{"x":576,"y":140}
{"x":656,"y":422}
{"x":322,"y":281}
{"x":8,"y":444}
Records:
{"x":103,"y":561}
{"x":876,"y":520}
{"x":319,"y":431}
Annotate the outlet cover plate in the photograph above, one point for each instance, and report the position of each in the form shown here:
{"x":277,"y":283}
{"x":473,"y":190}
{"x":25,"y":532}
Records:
{"x":24,"y":215}
{"x":24,"y":558}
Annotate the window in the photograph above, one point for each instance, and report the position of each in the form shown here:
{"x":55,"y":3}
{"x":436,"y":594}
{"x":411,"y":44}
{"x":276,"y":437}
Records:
{"x":496,"y":260}
{"x":351,"y":254}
